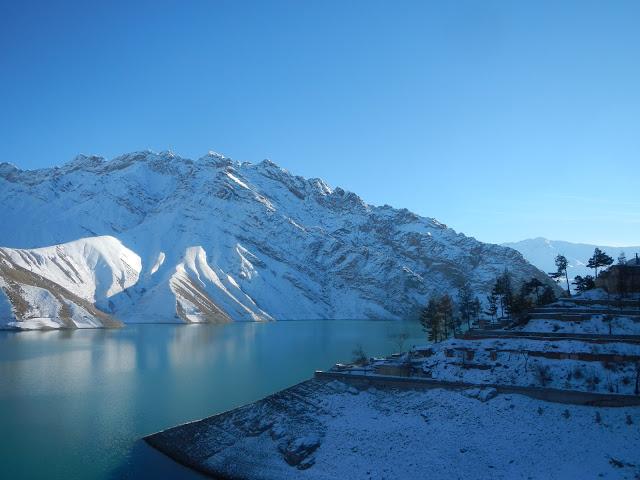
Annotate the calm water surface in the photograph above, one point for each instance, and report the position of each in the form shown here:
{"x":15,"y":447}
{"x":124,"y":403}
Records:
{"x":74,"y":404}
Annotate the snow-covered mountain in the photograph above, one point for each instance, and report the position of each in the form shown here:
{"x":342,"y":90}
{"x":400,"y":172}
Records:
{"x":60,"y":286}
{"x":542,"y":253}
{"x":153,"y":237}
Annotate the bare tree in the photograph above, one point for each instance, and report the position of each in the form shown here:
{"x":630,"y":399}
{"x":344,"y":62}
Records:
{"x":359,"y":356}
{"x":400,"y":339}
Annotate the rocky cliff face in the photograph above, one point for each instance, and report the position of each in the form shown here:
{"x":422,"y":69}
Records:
{"x":218,"y":240}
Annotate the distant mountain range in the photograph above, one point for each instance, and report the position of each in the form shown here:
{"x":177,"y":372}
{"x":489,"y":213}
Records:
{"x":542,"y":253}
{"x":154,"y":237}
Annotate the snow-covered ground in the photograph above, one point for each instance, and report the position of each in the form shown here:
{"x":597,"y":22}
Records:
{"x":518,"y":345}
{"x":443,"y":434}
{"x":597,"y":324}
{"x":387,"y":434}
{"x":516,"y":363}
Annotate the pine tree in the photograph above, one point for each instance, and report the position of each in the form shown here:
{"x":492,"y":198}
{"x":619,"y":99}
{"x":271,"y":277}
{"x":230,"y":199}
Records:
{"x":430,"y":322}
{"x":492,"y":306}
{"x":445,"y":309}
{"x":584,"y":283}
{"x":477,"y":308}
{"x":520,"y":304}
{"x":561,"y":266}
{"x":503,"y":290}
{"x":548,"y":296}
{"x":465,"y":303}
{"x":599,"y":259}
{"x":509,"y":302}
{"x":622,"y":259}
{"x":440,"y":325}
{"x":533,"y":286}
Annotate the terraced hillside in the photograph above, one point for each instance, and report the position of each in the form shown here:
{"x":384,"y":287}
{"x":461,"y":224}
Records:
{"x":568,"y":396}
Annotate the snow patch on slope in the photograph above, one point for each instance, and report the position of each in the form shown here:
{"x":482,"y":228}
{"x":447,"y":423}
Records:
{"x":202,"y":294}
{"x":158,"y":263}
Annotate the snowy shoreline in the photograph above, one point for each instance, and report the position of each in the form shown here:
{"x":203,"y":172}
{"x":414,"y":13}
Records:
{"x":328,"y":429}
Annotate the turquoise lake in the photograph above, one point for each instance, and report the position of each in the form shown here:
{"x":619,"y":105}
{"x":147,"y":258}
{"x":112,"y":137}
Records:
{"x":75,"y":404}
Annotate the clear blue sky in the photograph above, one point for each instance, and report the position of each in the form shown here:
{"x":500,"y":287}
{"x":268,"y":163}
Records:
{"x":504,"y":120}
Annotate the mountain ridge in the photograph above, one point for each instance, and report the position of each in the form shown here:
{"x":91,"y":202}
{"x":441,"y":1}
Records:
{"x":541,"y":252}
{"x":221,"y":240}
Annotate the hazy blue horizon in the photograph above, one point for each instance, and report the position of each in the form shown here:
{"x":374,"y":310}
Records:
{"x":505,"y":121}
